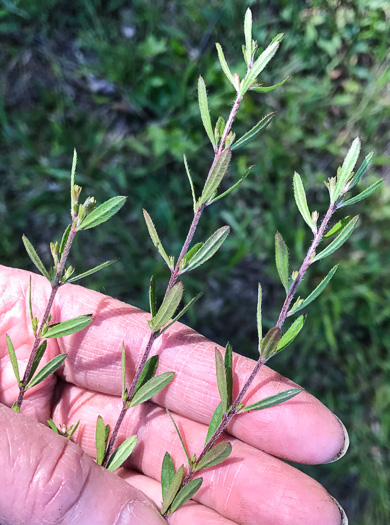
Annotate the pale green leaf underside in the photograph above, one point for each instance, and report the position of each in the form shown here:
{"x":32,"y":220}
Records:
{"x":248,"y":33}
{"x":204,"y":110}
{"x":121,"y":453}
{"x":300,"y":199}
{"x":168,"y":307}
{"x":47,"y":370}
{"x":102,"y":213}
{"x":339,"y":240}
{"x":289,"y":336}
{"x":281,"y":259}
{"x":35,"y":257}
{"x":224,"y":65}
{"x":216,"y":176}
{"x":316,"y":292}
{"x":13,"y":358}
{"x":258,"y":67}
{"x":209,"y":248}
{"x":186,"y":494}
{"x":363,"y":195}
{"x":270,"y":342}
{"x":100,"y":439}
{"x":347,"y":168}
{"x":361,"y":171}
{"x":215,"y":422}
{"x":183,"y":311}
{"x":336,"y":229}
{"x":69,"y":327}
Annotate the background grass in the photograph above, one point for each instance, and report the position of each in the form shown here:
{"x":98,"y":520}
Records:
{"x":118,"y":81}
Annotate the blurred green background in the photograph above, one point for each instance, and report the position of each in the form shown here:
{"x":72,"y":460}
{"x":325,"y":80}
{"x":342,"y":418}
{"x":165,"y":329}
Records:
{"x":117,"y":80}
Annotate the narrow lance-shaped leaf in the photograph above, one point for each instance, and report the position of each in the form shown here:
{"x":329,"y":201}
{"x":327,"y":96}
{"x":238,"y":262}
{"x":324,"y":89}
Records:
{"x":13,"y":358}
{"x":64,"y":240}
{"x":315,"y":293}
{"x":216,"y":176}
{"x":228,"y":363}
{"x":72,"y":429}
{"x":215,"y":456}
{"x":172,"y":489}
{"x":155,"y":238}
{"x":222,"y":195}
{"x":190,"y":181}
{"x":69,"y":327}
{"x":182,"y":312}
{"x":252,"y":133}
{"x":224,"y":65}
{"x":30,"y":302}
{"x":361,"y":171}
{"x":337,"y":228}
{"x":281,"y":259}
{"x":167,"y":474}
{"x":209,"y":248}
{"x":258,"y":66}
{"x":120,"y":455}
{"x":101,"y":439}
{"x":152,"y":296}
{"x":53,"y":426}
{"x":35,"y":257}
{"x":259,"y":316}
{"x":102,"y":213}
{"x":190,"y":254}
{"x":300,"y":199}
{"x":180,"y":439}
{"x":346,"y":169}
{"x":147,"y":373}
{"x":269,"y":343}
{"x":47,"y":370}
{"x":248,"y":34}
{"x":268,"y":89}
{"x":215,"y":422}
{"x":168,"y":308}
{"x":221,"y":379}
{"x":151,"y":388}
{"x":363,"y":195}
{"x":288,"y":337}
{"x":272,"y":401}
{"x":186,"y":493}
{"x":339,"y":240}
{"x":219,"y":128}
{"x":73,"y":172}
{"x":91,"y":271}
{"x":204,"y":110}
{"x":37,"y":359}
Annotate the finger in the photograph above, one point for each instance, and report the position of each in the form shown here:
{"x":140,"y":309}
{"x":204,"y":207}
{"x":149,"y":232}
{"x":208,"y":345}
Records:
{"x":302,"y":430}
{"x":232,"y":489}
{"x":47,"y":479}
{"x":193,"y":512}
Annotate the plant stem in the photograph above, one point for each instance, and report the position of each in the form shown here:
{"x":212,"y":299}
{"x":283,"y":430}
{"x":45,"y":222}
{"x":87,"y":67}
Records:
{"x":282,"y":317}
{"x":37,"y":339}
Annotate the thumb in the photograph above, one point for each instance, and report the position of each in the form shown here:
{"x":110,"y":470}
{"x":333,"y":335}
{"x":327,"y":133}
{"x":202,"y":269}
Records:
{"x":45,"y":478}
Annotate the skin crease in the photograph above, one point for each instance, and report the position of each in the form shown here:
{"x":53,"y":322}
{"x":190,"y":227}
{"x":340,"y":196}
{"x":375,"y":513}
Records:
{"x":60,"y":483}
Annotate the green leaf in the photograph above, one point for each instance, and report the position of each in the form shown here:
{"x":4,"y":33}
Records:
{"x":29,"y":302}
{"x":219,"y":128}
{"x":228,"y":363}
{"x":288,"y":337}
{"x":281,"y":258}
{"x":180,"y":438}
{"x":37,"y":359}
{"x":251,"y":134}
{"x":224,"y":66}
{"x":152,"y":297}
{"x":71,"y":430}
{"x":215,"y":456}
{"x":339,"y":240}
{"x":101,"y":438}
{"x":155,"y":238}
{"x":269,"y":344}
{"x":272,"y":401}
{"x":147,"y":373}
{"x":64,"y":240}
{"x":259,"y":316}
{"x":346,"y":169}
{"x":204,"y":110}
{"x":315,"y":293}
{"x":215,"y":422}
{"x":232,"y":187}
{"x":186,"y":494}
{"x":47,"y":370}
{"x":168,"y":308}
{"x":151,"y":388}
{"x":189,"y":255}
{"x":35,"y":257}
{"x":267,"y":89}
{"x":123,"y":370}
{"x":258,"y":66}
{"x":337,"y":228}
{"x":248,"y":33}
{"x":361,"y":171}
{"x":182,"y":312}
{"x":73,"y":172}
{"x":190,"y":180}
{"x":215,"y":177}
{"x":91,"y":271}
{"x":209,"y":248}
{"x":102,"y":213}
{"x":167,"y":474}
{"x":121,"y":453}
{"x":53,"y":426}
{"x":363,"y":195}
{"x":13,"y":358}
{"x":172,"y":490}
{"x":221,"y":379}
{"x":69,"y":327}
{"x":300,"y":199}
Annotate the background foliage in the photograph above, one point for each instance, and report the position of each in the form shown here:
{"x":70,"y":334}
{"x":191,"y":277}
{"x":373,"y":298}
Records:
{"x":118,"y":81}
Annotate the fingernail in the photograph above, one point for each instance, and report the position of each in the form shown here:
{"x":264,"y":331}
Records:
{"x":345,"y":446}
{"x":138,"y":513}
{"x":344,"y":519}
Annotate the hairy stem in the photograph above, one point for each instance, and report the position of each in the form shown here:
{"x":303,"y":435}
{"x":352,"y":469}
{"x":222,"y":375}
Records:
{"x":37,"y":339}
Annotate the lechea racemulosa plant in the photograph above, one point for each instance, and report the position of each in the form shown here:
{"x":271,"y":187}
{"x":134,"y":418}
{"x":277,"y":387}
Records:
{"x":180,"y":485}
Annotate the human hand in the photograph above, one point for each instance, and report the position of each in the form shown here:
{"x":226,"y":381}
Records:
{"x":47,"y":479}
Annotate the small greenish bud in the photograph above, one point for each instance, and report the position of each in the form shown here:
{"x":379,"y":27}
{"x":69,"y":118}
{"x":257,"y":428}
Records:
{"x":34,"y":324}
{"x":294,"y":275}
{"x":90,"y":204}
{"x":81,"y":214}
{"x":236,"y":80}
{"x":55,"y":249}
{"x":68,"y":273}
{"x":75,"y":208}
{"x":331,"y":185}
{"x":230,"y":139}
{"x":315,"y":215}
{"x":15,"y":407}
{"x":76,"y":190}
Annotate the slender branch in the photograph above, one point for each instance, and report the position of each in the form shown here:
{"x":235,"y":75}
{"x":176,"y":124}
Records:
{"x":37,"y":339}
